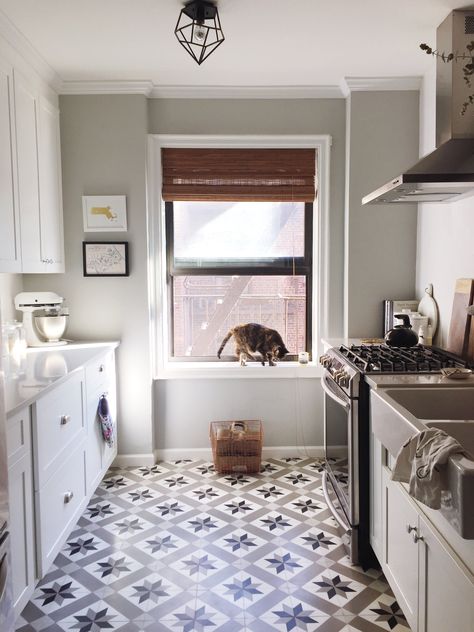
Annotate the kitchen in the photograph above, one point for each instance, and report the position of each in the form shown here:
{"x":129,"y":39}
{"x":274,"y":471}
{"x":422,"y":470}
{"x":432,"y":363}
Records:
{"x":103,"y":138}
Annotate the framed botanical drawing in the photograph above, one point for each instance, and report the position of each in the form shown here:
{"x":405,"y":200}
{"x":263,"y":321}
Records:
{"x":104,"y":213}
{"x":105,"y":258}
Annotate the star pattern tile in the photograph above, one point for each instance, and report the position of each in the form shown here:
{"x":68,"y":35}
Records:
{"x":179,"y":547}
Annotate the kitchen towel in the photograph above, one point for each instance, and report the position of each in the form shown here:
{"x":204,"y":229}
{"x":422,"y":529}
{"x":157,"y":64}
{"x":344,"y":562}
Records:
{"x":418,"y":464}
{"x":105,"y":420}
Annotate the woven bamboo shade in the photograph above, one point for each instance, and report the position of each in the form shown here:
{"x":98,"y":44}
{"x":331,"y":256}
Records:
{"x":239,"y":174}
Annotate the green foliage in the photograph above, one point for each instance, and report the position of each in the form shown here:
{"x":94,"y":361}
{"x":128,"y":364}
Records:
{"x":468,"y":67}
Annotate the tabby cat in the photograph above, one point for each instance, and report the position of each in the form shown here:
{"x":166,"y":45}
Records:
{"x":251,"y":338}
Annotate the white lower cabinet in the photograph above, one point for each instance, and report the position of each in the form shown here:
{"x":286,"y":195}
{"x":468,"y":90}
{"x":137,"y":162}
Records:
{"x":433,"y":587}
{"x":100,"y":380}
{"x":20,"y":490}
{"x":56,"y":459}
{"x":58,"y":505}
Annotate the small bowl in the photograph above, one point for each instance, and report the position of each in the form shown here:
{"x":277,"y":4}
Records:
{"x":457,"y":374}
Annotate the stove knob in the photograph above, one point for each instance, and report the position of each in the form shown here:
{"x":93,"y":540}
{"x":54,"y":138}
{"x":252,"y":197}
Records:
{"x":343,"y":379}
{"x":326,"y":361}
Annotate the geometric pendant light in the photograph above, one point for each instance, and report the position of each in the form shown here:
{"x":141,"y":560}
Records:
{"x":199,"y":29}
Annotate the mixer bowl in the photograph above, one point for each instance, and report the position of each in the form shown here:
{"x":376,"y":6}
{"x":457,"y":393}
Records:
{"x":51,"y":327}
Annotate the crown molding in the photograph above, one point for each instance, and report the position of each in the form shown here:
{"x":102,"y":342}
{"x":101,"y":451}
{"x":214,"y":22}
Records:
{"x":246,"y":92}
{"x":22,"y":45}
{"x":150,"y":90}
{"x":106,"y":87}
{"x":375,"y":84}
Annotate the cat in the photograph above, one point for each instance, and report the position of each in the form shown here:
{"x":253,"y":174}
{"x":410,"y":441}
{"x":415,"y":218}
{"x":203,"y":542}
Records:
{"x":253,"y":337}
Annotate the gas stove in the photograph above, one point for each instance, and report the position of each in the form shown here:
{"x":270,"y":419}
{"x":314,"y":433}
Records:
{"x":347,"y":364}
{"x":371,"y":359}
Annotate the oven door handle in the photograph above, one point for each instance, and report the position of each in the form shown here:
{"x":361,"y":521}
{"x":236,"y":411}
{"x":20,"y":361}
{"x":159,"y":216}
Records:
{"x":344,"y":525}
{"x":329,"y":392}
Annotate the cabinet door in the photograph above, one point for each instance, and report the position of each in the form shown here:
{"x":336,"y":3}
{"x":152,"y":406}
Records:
{"x":446,"y":587}
{"x":50,"y":190}
{"x":376,"y":523}
{"x":20,"y":492}
{"x":10,"y":257}
{"x":28,"y":177}
{"x":400,"y":561}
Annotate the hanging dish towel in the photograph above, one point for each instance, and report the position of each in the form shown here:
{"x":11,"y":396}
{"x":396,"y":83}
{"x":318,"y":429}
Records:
{"x":105,"y":421}
{"x":418,"y":464}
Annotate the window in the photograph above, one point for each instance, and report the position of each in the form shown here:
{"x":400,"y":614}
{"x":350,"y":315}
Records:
{"x":191,"y":286}
{"x":231,"y":263}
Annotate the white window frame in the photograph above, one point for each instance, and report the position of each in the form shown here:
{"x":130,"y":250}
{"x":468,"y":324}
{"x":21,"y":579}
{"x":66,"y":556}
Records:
{"x":162,"y":368}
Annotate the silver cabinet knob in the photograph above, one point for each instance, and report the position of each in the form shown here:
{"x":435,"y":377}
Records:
{"x":417,"y":538}
{"x":65,"y":419}
{"x":410,"y":528}
{"x":101,"y":368}
{"x":68,"y":496}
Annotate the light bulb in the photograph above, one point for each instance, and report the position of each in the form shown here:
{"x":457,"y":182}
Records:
{"x":200,"y":33}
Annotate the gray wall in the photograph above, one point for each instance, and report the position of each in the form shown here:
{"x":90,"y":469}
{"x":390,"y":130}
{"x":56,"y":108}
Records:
{"x":103,"y":144}
{"x":10,"y":284}
{"x":185,"y":407}
{"x":290,"y":409}
{"x":381,"y":249}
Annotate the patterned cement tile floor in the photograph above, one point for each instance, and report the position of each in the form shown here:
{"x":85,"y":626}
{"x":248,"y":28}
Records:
{"x":179,"y":547}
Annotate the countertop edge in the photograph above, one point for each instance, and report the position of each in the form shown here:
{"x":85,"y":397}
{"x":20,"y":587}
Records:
{"x":96,"y":347}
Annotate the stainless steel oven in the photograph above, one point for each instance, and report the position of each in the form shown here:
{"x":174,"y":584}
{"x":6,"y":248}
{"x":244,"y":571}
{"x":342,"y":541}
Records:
{"x":341,"y":449}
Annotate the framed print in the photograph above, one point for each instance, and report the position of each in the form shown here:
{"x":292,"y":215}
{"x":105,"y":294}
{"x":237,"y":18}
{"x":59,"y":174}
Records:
{"x":104,"y":213}
{"x":105,"y":258}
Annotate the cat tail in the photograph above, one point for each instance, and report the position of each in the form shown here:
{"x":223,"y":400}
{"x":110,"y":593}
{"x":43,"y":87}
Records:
{"x":224,"y":342}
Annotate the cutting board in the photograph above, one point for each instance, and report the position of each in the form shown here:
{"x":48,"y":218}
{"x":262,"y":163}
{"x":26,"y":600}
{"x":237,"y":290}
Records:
{"x":460,"y":338}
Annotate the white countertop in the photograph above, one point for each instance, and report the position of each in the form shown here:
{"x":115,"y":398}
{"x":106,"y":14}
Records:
{"x":419,"y":379}
{"x":43,"y":368}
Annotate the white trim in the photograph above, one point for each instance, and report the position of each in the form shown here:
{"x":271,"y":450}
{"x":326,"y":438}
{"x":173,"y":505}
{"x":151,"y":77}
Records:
{"x":130,"y":460}
{"x":205,"y":454}
{"x":106,"y":87}
{"x":374,"y":84}
{"x":149,"y":89}
{"x":247,"y":92}
{"x":232,"y":370}
{"x":156,"y":232}
{"x":22,"y":45}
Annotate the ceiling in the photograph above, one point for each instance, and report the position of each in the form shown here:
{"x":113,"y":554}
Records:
{"x":268,"y":42}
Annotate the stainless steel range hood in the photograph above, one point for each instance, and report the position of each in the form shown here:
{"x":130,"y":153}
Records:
{"x":448,"y":171}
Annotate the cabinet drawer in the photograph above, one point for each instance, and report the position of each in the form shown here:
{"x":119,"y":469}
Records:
{"x":18,"y":436}
{"x":58,"y":425}
{"x":100,"y":372}
{"x":58,"y":506}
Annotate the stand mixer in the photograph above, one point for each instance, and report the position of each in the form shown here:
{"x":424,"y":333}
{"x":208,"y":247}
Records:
{"x":45,"y":329}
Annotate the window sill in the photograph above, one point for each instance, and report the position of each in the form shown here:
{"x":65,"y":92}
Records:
{"x":232,"y":370}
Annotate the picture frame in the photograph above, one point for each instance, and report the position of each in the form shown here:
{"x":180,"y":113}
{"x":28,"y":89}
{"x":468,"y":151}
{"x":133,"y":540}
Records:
{"x":104,"y":213}
{"x":105,"y":258}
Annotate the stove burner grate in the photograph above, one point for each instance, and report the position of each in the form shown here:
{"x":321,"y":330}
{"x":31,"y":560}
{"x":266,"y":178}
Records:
{"x":385,"y":359}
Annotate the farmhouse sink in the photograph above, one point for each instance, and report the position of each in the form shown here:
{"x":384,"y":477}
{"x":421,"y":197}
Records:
{"x":399,"y":413}
{"x":435,"y":403}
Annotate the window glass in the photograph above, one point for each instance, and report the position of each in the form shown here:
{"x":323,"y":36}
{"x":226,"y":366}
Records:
{"x":216,"y":232}
{"x":206,"y":307}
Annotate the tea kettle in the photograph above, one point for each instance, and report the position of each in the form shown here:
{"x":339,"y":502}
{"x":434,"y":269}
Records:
{"x":401,"y":335}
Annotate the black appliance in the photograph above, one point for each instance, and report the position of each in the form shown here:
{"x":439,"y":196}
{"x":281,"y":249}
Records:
{"x":346,"y":428}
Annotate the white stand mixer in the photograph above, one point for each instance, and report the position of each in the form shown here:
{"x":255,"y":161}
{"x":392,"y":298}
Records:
{"x":45,"y":330}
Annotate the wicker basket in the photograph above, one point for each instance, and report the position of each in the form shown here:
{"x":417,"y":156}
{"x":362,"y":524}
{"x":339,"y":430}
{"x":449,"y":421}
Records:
{"x":236,"y":445}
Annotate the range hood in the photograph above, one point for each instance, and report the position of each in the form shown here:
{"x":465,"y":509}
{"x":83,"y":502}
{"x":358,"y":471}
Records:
{"x":448,"y":171}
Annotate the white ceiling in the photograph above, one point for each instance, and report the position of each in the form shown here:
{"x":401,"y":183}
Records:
{"x":268,"y":42}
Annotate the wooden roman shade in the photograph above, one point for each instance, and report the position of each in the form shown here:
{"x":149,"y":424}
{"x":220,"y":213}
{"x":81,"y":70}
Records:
{"x":239,"y":174}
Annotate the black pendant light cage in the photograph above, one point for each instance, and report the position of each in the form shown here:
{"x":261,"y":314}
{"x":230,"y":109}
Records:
{"x":199,"y":29}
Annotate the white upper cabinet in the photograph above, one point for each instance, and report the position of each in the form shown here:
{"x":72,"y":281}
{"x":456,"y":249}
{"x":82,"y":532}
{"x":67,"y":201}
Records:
{"x":39,"y":179}
{"x":27,"y":169}
{"x":10,"y":254}
{"x":50,"y":190}
{"x":31,"y":239}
